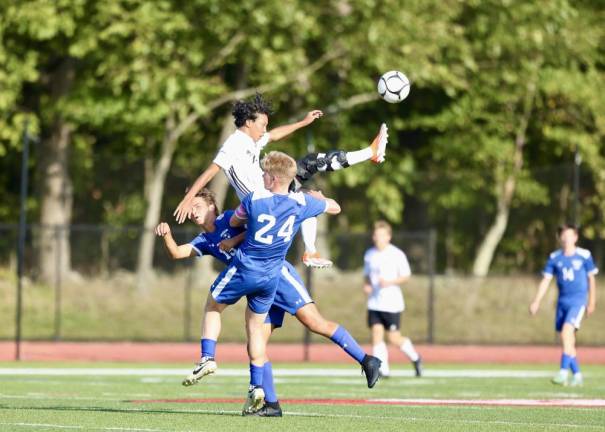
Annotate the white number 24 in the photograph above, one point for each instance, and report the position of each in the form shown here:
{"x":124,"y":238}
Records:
{"x":285,"y":231}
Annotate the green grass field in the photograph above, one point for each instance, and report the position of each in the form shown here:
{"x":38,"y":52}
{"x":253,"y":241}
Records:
{"x":110,"y":397}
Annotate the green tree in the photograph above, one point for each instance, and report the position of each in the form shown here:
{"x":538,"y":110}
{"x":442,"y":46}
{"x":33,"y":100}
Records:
{"x":524,"y":53}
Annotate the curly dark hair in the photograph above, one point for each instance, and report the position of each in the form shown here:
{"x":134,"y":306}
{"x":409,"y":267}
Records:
{"x":249,"y":109}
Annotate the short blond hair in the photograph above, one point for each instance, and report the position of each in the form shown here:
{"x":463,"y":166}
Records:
{"x":280,"y":165}
{"x":381,"y":224}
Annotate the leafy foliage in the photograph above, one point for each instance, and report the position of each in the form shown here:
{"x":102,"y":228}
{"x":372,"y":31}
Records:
{"x":143,"y":68}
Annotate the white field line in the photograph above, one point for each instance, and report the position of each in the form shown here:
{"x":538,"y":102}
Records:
{"x":564,"y":403}
{"x":446,"y":373}
{"x":78,"y":427}
{"x":505,"y":402}
{"x":42,"y":396}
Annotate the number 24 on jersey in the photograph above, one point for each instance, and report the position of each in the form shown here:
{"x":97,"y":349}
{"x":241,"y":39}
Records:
{"x":285,"y":231}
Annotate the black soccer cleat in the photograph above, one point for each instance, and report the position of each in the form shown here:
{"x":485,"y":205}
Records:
{"x":418,"y":367}
{"x":270,"y":409}
{"x":371,"y":368}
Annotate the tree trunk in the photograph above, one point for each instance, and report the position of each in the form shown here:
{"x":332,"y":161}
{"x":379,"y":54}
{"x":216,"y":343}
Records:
{"x":490,"y":242}
{"x":155,"y":192}
{"x":219,"y":184}
{"x":487,"y":248}
{"x":55,"y":186}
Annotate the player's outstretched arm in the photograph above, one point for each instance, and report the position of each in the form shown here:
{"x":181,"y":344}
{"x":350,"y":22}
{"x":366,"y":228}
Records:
{"x":183,"y":210}
{"x":283,"y":131}
{"x":239,"y":217}
{"x":175,"y":251}
{"x":592,"y":294}
{"x":542,"y":288}
{"x":332,"y":208}
{"x":233,"y":242}
{"x":397,"y":281}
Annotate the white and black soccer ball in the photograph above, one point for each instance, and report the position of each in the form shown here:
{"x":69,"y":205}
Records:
{"x":393,"y":86}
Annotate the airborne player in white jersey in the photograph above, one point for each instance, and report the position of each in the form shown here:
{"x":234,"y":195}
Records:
{"x":239,"y":157}
{"x":385,"y":268}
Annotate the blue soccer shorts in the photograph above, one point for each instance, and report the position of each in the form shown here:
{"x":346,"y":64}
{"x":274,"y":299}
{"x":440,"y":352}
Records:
{"x":571,"y":314}
{"x":234,"y":283}
{"x":291,"y":295}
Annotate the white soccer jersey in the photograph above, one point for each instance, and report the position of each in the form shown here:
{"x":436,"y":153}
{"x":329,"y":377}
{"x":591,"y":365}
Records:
{"x":389,"y":263}
{"x":239,"y":158}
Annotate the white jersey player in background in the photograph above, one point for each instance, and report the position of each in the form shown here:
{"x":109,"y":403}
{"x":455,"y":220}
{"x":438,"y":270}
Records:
{"x":239,"y":157}
{"x":385,"y":268}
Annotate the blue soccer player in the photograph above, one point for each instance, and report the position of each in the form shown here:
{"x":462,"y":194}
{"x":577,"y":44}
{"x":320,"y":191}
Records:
{"x":574,"y":271}
{"x":218,"y":240}
{"x":272,"y":217}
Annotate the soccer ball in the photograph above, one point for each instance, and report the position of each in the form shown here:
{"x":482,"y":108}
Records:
{"x":393,"y":86}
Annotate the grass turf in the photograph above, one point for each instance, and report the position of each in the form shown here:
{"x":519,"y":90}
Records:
{"x":96,"y":402}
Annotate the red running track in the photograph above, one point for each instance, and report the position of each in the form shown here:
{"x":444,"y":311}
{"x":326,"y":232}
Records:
{"x":229,"y":352}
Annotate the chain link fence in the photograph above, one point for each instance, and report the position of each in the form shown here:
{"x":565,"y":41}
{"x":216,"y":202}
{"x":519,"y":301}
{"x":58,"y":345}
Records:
{"x":100,"y":296}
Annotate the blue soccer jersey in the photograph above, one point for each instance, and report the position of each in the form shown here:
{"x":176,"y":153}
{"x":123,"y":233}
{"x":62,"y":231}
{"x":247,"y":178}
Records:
{"x":571,"y":273}
{"x":207,"y":243}
{"x":291,"y":293}
{"x":273,"y":220}
{"x":254,"y":272}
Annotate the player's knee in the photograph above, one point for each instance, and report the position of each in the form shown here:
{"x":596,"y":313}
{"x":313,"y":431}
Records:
{"x":212,"y":305}
{"x":395,"y":338}
{"x":308,"y":166}
{"x":313,"y":323}
{"x":336,"y":159}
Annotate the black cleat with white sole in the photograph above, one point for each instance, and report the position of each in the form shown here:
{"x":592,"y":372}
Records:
{"x":270,"y":409}
{"x":371,"y":368}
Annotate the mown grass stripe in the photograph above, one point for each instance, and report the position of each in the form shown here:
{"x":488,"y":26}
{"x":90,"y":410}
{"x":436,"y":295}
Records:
{"x":449,"y":373}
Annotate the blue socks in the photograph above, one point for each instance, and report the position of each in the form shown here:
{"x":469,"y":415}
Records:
{"x":268,"y":386}
{"x":208,"y":347}
{"x":256,"y":375}
{"x":565,"y":361}
{"x":573,"y":365}
{"x":343,"y":339}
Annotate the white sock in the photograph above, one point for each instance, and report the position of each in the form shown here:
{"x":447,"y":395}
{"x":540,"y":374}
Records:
{"x":578,"y":375}
{"x":358,"y":156}
{"x":408,"y":349}
{"x":563,"y":372}
{"x":308,"y":227}
{"x":382,"y":353}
